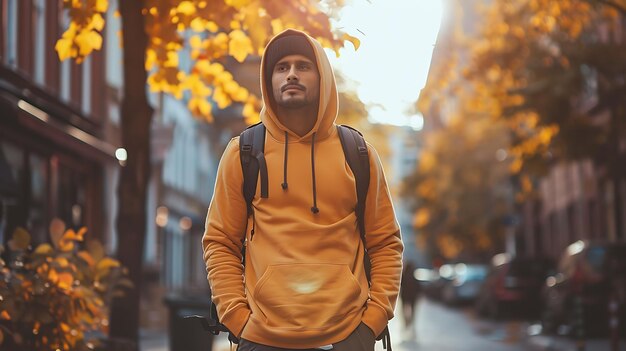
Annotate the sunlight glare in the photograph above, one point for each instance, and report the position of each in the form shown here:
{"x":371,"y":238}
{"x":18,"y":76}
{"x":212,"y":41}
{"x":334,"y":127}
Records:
{"x":391,"y":66}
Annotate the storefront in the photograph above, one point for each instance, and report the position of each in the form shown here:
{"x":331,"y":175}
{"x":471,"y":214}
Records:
{"x":49,"y":168}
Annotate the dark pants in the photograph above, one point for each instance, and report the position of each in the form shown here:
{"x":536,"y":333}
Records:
{"x":361,"y":339}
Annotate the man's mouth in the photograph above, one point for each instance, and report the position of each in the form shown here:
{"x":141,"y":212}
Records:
{"x":292,"y":86}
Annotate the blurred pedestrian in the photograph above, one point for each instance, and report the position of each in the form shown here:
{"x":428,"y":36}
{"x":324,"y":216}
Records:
{"x":304,"y":284}
{"x":410,"y":291}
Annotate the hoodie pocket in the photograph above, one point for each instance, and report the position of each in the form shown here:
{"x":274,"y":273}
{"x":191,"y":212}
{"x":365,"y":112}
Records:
{"x":309,"y":296}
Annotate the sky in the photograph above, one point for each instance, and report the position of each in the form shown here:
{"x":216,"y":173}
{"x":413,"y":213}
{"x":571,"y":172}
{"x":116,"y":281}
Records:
{"x":391,"y":65}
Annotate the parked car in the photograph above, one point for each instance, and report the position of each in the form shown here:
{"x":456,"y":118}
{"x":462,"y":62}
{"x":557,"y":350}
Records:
{"x":514,"y":284}
{"x":439,"y":279}
{"x":588,"y":274}
{"x":465,"y":283}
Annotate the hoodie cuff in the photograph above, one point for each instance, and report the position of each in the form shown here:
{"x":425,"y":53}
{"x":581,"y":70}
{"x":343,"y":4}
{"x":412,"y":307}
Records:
{"x":237,"y":320}
{"x":375,"y":317}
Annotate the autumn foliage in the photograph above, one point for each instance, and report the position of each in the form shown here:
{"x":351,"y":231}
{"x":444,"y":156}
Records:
{"x":209,"y":33}
{"x":543,"y":71}
{"x":55,"y":297}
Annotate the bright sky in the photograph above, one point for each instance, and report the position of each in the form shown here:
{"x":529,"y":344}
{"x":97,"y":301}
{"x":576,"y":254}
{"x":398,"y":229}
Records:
{"x":392,"y":63}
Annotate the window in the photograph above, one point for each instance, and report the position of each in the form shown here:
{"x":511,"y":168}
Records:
{"x":86,"y":90}
{"x":11,"y":33}
{"x":40,"y":41}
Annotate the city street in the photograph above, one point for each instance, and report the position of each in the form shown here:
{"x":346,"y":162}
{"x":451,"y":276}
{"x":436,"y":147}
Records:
{"x":439,"y":327}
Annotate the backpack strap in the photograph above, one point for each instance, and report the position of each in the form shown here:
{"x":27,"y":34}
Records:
{"x":356,"y":153}
{"x":251,"y":147}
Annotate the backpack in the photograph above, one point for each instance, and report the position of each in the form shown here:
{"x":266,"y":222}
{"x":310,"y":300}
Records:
{"x":251,"y":147}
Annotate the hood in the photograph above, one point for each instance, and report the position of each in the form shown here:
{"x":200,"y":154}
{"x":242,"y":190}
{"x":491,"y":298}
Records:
{"x":328,"y":105}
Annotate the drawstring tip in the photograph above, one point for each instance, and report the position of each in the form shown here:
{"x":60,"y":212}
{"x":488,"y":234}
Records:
{"x":315,"y":210}
{"x":285,"y":186}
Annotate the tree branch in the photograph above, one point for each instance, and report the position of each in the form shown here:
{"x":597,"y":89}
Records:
{"x":614,"y":5}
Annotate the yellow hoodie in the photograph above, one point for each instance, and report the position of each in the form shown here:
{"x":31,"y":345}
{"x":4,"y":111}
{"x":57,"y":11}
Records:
{"x":305,"y":284}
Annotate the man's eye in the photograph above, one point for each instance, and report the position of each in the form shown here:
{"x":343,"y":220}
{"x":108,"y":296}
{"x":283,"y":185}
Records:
{"x":304,"y":67}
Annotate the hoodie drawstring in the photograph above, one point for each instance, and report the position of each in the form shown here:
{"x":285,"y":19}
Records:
{"x":314,"y":209}
{"x":285,"y":185}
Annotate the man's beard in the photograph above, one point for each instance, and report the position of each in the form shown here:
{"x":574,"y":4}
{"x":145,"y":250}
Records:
{"x":294,"y":103}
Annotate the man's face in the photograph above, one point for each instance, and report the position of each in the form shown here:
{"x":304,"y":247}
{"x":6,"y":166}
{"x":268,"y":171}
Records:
{"x":295,"y":82}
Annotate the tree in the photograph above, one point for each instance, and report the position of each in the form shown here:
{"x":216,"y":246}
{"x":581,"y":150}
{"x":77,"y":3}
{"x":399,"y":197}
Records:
{"x":460,"y":191}
{"x":547,"y":70}
{"x":154,"y":33}
{"x":560,"y":73}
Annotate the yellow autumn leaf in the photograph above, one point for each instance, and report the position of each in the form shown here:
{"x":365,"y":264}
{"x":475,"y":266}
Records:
{"x":235,"y":25}
{"x":354,"y":40}
{"x":240,"y":46}
{"x":63,"y":48}
{"x":240,"y":95}
{"x":197,"y":25}
{"x":107,"y":263}
{"x":211,"y":26}
{"x":151,"y":59}
{"x":53,"y":276}
{"x":238,"y":4}
{"x":277,"y":26}
{"x":65,"y":245}
{"x":65,"y":280}
{"x":220,"y":97}
{"x":87,"y":40}
{"x":197,"y":87}
{"x":20,"y":239}
{"x":172,"y":59}
{"x":203,"y":67}
{"x":250,"y":111}
{"x":44,"y":249}
{"x":102,"y":5}
{"x":200,"y":106}
{"x":62,"y":261}
{"x":186,"y":8}
{"x":230,"y":87}
{"x":97,"y":22}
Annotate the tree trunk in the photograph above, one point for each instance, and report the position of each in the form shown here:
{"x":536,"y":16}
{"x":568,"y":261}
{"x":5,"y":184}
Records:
{"x":136,"y":116}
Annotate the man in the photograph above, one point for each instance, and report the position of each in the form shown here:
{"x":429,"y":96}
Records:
{"x":304,"y":285}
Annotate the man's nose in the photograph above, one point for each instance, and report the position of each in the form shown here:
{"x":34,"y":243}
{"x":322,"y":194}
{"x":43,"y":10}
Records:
{"x":292,"y":74}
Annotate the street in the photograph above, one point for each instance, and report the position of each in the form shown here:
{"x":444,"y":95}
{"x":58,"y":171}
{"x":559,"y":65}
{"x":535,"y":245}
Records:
{"x":442,"y":328}
{"x":439,"y":327}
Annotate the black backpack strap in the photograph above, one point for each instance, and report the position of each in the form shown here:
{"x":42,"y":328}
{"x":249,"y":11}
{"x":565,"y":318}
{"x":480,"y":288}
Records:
{"x":355,"y":150}
{"x":251,"y":147}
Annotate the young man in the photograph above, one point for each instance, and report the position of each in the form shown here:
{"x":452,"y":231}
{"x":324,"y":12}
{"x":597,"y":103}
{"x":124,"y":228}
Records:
{"x":304,"y":285}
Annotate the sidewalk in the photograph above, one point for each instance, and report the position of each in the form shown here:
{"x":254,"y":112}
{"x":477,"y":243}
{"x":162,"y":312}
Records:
{"x":560,"y":343}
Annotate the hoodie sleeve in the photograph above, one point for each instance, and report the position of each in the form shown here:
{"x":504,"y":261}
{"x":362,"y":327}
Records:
{"x":222,"y":242}
{"x":384,"y":245}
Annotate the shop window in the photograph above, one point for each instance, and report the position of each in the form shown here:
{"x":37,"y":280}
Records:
{"x":72,"y":187}
{"x":43,"y":188}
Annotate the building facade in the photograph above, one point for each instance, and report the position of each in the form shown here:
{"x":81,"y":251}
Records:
{"x":58,"y":131}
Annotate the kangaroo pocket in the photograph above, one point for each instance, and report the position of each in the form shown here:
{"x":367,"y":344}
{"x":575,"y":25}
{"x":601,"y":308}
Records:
{"x":307,"y":296}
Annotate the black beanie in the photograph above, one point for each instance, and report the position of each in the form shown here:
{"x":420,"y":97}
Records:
{"x":285,"y":46}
